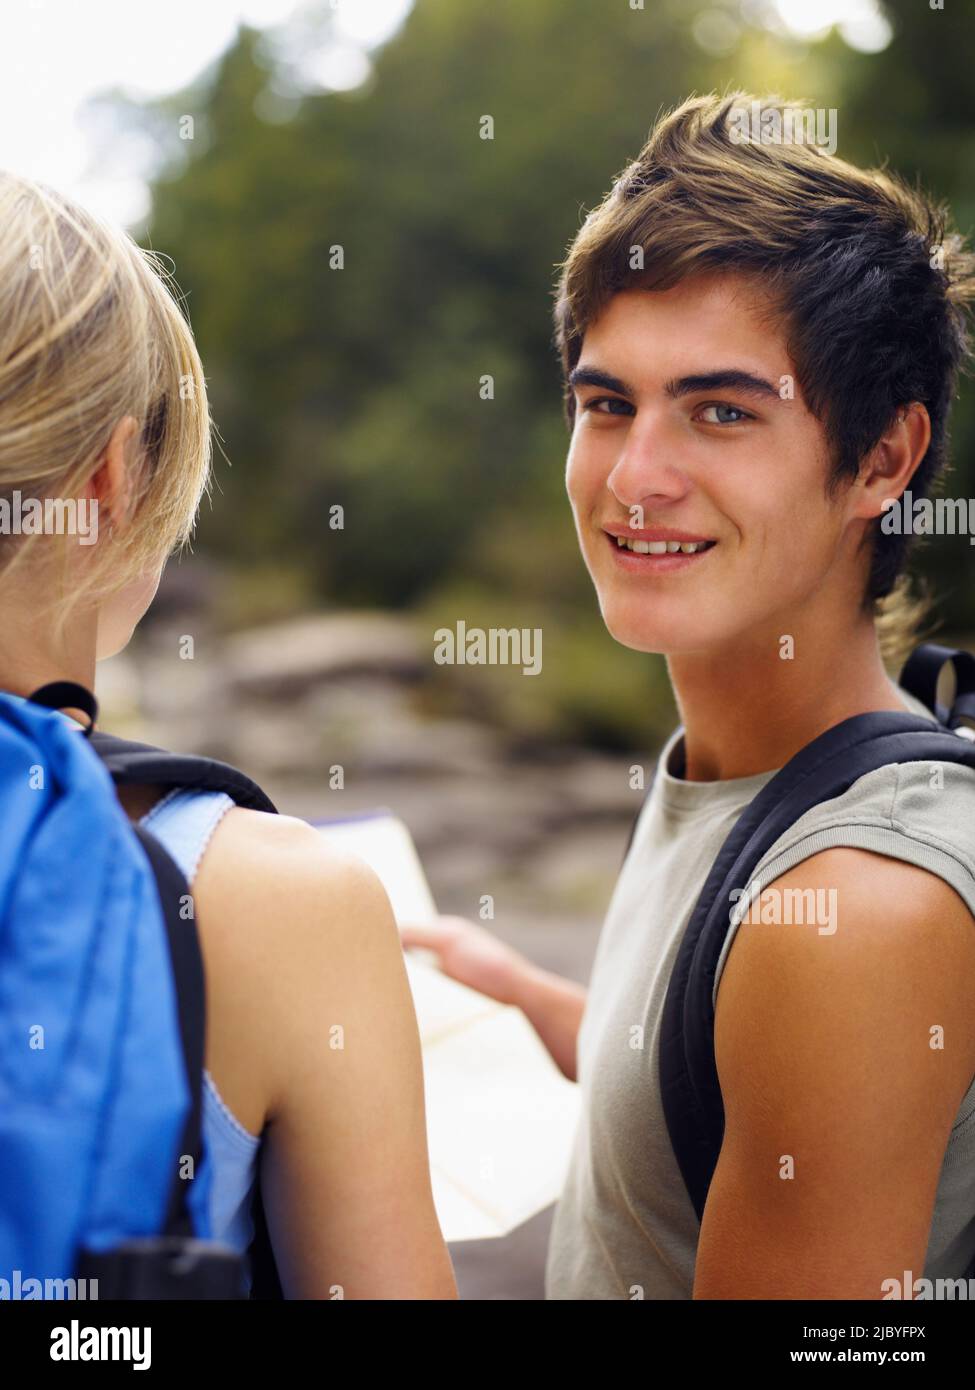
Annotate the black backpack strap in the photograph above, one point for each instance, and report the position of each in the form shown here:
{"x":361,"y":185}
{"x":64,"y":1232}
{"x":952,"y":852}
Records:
{"x":825,"y":768}
{"x":133,"y":763}
{"x":68,"y":695}
{"x":174,"y":1264}
{"x":920,"y":678}
{"x":265,"y":1278}
{"x":187,"y":964}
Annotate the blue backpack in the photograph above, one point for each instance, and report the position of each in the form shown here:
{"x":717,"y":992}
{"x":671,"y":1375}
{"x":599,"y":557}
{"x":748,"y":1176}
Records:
{"x":824,"y":769}
{"x":103,"y":1174}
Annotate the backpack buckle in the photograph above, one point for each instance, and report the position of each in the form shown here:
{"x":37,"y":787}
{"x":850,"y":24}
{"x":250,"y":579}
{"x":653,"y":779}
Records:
{"x":169,"y":1267}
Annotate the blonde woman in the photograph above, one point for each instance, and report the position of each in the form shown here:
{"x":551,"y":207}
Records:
{"x":103,"y":400}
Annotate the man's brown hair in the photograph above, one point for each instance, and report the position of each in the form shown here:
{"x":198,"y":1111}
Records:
{"x":863,"y":270}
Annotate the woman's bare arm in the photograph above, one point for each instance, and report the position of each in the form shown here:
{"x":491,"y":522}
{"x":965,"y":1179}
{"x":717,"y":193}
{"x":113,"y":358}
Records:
{"x":311,"y":1029}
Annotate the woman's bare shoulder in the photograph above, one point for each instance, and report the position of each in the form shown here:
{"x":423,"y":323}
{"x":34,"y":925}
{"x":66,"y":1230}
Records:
{"x":272,"y":859}
{"x":288,"y":928}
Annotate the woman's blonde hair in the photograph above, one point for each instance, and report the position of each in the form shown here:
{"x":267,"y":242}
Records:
{"x":91,"y":332}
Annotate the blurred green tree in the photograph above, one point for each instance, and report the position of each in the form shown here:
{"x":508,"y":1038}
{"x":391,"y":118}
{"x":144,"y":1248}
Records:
{"x":364,"y":386}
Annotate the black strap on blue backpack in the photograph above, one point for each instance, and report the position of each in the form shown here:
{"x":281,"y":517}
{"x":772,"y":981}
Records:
{"x":824,"y":769}
{"x":175,"y":1265}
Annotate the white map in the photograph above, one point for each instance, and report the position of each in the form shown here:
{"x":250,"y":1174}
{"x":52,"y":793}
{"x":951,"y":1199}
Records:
{"x":501,"y":1117}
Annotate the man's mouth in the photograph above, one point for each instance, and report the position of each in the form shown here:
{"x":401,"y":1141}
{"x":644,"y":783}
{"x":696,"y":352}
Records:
{"x":639,"y":547}
{"x":656,"y":550}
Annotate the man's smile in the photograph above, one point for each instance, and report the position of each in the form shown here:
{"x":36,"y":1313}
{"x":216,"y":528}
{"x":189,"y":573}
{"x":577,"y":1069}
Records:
{"x":656,"y":549}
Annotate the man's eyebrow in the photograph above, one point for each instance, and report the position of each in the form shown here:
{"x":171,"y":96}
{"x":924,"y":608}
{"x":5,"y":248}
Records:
{"x":727,"y":379}
{"x":592,"y":376}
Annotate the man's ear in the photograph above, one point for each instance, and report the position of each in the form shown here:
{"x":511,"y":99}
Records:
{"x":887,"y":470}
{"x":111,"y":483}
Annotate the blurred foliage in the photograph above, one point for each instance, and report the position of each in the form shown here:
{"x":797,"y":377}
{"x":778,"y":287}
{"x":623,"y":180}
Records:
{"x":587,"y":683}
{"x":360,"y":386}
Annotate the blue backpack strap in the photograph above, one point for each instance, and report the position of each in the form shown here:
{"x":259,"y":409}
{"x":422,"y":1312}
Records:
{"x":825,"y":768}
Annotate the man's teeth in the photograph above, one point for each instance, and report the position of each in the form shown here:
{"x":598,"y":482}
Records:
{"x":661,"y":547}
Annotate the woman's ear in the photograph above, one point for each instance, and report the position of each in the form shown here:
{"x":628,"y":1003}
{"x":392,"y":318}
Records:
{"x":891,"y":464}
{"x":111,"y":483}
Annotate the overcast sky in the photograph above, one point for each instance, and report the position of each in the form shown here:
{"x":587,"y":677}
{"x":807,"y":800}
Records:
{"x":57,"y":54}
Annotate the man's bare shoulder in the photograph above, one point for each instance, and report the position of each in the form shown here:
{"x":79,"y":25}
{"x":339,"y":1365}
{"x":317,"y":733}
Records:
{"x":843,"y":1058}
{"x":882,"y":994}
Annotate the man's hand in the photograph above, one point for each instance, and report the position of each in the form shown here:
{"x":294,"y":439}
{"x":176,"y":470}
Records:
{"x":839,"y":1101}
{"x":471,"y":955}
{"x":475,"y":957}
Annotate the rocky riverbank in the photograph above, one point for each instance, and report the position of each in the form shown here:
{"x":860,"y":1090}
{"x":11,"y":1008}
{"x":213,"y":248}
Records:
{"x":332,"y":714}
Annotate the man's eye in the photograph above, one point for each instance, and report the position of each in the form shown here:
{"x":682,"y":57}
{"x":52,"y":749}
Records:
{"x":726,"y":414}
{"x":597,"y":401}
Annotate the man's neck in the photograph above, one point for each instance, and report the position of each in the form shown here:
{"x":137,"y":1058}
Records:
{"x":749,"y":711}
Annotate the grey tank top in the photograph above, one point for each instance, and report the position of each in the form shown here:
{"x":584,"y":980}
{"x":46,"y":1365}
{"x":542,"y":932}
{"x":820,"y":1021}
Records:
{"x":625,"y":1222}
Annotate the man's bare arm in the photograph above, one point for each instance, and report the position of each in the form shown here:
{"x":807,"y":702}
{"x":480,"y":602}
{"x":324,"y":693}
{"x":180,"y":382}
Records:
{"x":476,"y":957}
{"x":838,"y":1100}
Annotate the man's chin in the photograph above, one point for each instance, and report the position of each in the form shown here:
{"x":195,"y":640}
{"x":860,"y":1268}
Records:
{"x":639,"y":633}
{"x":660,"y":633}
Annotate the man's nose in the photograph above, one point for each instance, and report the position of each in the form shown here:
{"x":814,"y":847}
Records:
{"x":647,"y":469}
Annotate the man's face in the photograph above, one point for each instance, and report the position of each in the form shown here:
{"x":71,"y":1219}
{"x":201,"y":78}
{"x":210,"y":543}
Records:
{"x":672,"y":442}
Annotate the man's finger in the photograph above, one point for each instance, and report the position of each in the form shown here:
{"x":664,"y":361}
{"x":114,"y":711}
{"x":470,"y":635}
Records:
{"x":430,"y":935}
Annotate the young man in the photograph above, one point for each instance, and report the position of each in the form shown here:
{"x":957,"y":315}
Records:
{"x":760,"y":346}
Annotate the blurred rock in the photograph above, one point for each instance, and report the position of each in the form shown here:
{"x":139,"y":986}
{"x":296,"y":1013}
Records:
{"x":540,"y":827}
{"x":285,"y":659}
